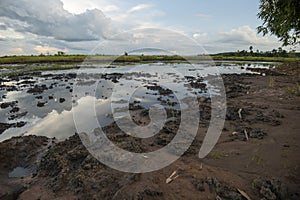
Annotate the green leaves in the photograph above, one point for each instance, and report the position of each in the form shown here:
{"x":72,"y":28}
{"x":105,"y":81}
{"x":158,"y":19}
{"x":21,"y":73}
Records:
{"x":282,"y":19}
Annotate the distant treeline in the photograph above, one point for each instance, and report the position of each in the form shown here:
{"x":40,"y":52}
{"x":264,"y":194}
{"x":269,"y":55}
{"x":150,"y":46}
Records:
{"x":273,"y":53}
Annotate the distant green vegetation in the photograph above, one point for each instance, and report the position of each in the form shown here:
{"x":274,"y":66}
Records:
{"x":40,"y":59}
{"x":280,"y":52}
{"x":275,"y":55}
{"x":119,"y":59}
{"x":254,"y":58}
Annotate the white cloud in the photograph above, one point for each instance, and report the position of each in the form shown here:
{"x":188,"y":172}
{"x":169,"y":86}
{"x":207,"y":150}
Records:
{"x":10,"y":33}
{"x":199,"y":36}
{"x":236,"y":39}
{"x":204,"y":16}
{"x":48,"y":49}
{"x":139,"y":7}
{"x":16,"y":50}
{"x":79,"y":6}
{"x":244,"y":36}
{"x":109,"y":8}
{"x":132,"y":19}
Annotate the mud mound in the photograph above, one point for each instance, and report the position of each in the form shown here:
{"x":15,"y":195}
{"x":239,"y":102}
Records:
{"x":20,"y":151}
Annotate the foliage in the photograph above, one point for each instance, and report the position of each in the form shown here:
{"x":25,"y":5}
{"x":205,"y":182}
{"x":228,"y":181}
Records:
{"x":282,"y":19}
{"x":295,"y":90}
{"x":274,"y":53}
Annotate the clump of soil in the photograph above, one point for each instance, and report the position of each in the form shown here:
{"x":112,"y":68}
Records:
{"x":20,"y":151}
{"x":271,"y":189}
{"x":219,"y":188}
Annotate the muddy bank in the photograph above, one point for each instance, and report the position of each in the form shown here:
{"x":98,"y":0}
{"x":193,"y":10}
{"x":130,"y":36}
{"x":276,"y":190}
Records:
{"x":256,"y":156}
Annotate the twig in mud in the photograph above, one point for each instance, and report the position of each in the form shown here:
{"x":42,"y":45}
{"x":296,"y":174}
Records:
{"x":246,"y":134}
{"x":240,"y":113}
{"x":244,"y":194}
{"x":234,"y":133}
{"x":172,"y":177}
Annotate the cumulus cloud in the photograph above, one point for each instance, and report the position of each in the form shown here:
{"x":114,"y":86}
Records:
{"x":49,"y":18}
{"x":236,"y":39}
{"x":243,"y":35}
{"x":80,"y":6}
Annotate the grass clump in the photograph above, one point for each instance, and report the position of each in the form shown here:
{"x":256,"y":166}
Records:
{"x":295,"y":90}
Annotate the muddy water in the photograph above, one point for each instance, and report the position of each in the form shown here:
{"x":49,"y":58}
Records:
{"x":45,"y":102}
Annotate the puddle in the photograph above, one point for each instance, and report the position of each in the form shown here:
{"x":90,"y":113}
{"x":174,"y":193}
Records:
{"x":50,"y":113}
{"x":19,"y":172}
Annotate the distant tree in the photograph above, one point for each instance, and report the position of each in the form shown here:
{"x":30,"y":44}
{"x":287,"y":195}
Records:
{"x":251,"y":49}
{"x":125,"y":53}
{"x":292,"y":53}
{"x":282,"y":19}
{"x":274,"y":52}
{"x":244,"y":53}
{"x":60,"y":53}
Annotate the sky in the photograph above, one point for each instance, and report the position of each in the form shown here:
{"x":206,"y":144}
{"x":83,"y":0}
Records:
{"x":114,"y":26}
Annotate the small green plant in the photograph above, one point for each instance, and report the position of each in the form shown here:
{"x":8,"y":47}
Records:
{"x":257,"y":158}
{"x":216,"y":154}
{"x":295,"y":90}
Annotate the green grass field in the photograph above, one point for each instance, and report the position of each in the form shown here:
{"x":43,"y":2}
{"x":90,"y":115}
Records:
{"x":104,"y":58}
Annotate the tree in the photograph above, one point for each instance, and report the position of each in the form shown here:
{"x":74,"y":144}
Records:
{"x":282,"y":19}
{"x":274,"y":52}
{"x":60,"y":53}
{"x":251,"y":49}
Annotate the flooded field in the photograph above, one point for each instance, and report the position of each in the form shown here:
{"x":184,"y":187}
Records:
{"x":42,"y":103}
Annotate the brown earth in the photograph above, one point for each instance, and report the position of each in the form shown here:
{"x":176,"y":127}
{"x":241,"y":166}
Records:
{"x":257,"y":153}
